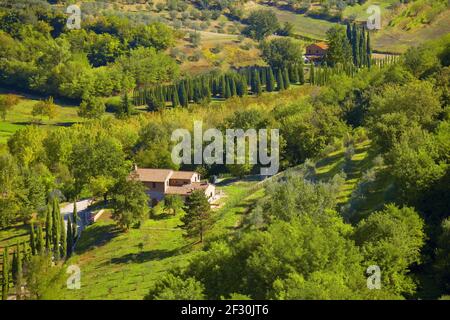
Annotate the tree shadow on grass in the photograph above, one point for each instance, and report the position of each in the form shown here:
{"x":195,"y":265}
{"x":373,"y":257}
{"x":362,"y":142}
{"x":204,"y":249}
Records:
{"x":19,"y":231}
{"x":155,"y":255}
{"x":144,"y":256}
{"x":96,"y":236}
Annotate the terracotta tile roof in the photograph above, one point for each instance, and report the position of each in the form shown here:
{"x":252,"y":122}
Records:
{"x":322,"y":45}
{"x":152,"y":175}
{"x":184,"y":175}
{"x":187,"y":189}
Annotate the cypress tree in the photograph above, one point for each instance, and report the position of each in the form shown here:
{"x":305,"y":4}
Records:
{"x":280,"y":83}
{"x":270,"y":84}
{"x":232,"y":87}
{"x":5,"y":277}
{"x":286,"y":78}
{"x":191,"y":90}
{"x":126,"y":105}
{"x":368,"y":50}
{"x":349,"y":32}
{"x":355,"y":46}
{"x":223,"y":86}
{"x":18,"y":274}
{"x":301,"y":74}
{"x":253,"y":80}
{"x":362,"y":48}
{"x":257,"y":89}
{"x":69,"y":238}
{"x":75,"y":213}
{"x":293,"y":74}
{"x":182,"y":95}
{"x":56,"y":228}
{"x":33,"y":240}
{"x":63,"y":249}
{"x":14,"y":266}
{"x":240,"y":86}
{"x":197,"y":92}
{"x":262,"y":75}
{"x":206,"y":93}
{"x":48,"y":230}
{"x":26,"y":253}
{"x":40,"y":245}
{"x":312,"y":75}
{"x":227,"y":90}
{"x":249,"y":77}
{"x":175,"y":98}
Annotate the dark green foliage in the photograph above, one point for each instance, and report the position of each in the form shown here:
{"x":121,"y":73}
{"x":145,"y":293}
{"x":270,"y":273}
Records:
{"x":270,"y":84}
{"x":5,"y":274}
{"x":261,"y":23}
{"x":339,"y":51}
{"x":69,"y":238}
{"x":171,"y":287}
{"x":301,"y":75}
{"x":130,"y":203}
{"x":286,"y":81}
{"x":256,"y":83}
{"x":17,"y":270}
{"x":48,"y":230}
{"x":198,"y":210}
{"x":33,"y":240}
{"x":40,"y":242}
{"x":282,"y":53}
{"x":280,"y":81}
{"x":63,"y":239}
{"x":182,"y":95}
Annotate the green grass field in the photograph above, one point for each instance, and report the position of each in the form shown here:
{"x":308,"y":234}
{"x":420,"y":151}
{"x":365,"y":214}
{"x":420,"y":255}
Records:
{"x":20,"y":116}
{"x":303,"y":25}
{"x":117,"y":265}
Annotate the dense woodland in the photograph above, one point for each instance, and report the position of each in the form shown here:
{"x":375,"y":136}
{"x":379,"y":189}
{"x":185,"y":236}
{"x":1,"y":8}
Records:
{"x":297,"y":243}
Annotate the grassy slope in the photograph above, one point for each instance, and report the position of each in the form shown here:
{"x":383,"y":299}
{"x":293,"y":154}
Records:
{"x":303,"y":25}
{"x":20,"y":116}
{"x":397,"y":40}
{"x":379,"y":191}
{"x":115,"y":266}
{"x":394,"y":39}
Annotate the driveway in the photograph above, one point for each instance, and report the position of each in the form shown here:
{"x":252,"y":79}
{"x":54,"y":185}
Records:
{"x":83,"y":213}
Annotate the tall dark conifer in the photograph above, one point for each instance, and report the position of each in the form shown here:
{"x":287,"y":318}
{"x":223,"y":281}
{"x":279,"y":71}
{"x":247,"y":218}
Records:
{"x":301,"y":74}
{"x":69,"y":237}
{"x":49,"y":229}
{"x":5,"y":273}
{"x":270,"y":84}
{"x":286,"y":78}
{"x":182,"y":95}
{"x":33,"y":240}
{"x":280,"y":82}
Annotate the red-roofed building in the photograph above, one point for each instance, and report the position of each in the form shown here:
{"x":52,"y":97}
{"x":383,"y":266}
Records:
{"x":161,"y":182}
{"x":316,"y":51}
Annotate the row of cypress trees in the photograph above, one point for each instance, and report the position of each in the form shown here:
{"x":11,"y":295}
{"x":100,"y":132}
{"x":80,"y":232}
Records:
{"x":236,"y":83}
{"x":321,"y":74}
{"x":20,"y":255}
{"x":57,"y":240}
{"x":359,"y":39}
